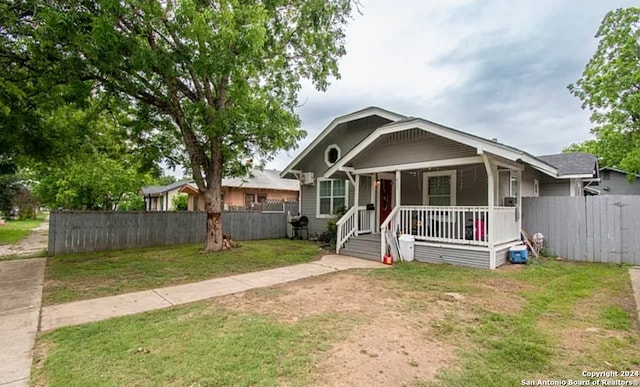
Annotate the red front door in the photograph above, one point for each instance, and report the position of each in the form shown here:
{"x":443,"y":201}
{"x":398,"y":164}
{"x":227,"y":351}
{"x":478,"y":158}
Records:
{"x":386,"y":189}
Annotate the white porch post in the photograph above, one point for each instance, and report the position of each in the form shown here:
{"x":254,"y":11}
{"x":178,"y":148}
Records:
{"x":398,"y":190}
{"x":519,"y":200}
{"x":373,"y":200}
{"x":356,"y":196}
{"x":491,"y":187}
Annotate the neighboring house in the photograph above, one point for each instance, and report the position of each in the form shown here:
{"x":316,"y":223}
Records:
{"x":456,"y":193}
{"x":614,"y":182}
{"x":246,"y":193}
{"x":160,"y":198}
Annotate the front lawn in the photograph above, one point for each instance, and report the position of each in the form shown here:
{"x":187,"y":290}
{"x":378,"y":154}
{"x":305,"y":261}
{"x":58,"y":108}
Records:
{"x":89,"y":275}
{"x":16,"y":230}
{"x":416,"y":325}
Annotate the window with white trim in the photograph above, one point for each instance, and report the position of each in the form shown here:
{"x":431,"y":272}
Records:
{"x":331,"y":154}
{"x":536,"y":188}
{"x":513,"y":186}
{"x":332,"y":194}
{"x":440,"y":188}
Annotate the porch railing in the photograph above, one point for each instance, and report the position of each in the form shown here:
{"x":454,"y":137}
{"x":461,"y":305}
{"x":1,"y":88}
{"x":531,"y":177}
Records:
{"x":390,"y":223}
{"x":452,"y":224}
{"x":357,"y":220}
{"x":506,"y":225}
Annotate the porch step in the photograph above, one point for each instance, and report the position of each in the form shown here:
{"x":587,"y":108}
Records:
{"x":363,"y":246}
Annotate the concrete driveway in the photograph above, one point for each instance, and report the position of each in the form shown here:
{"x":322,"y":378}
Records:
{"x":20,"y":295}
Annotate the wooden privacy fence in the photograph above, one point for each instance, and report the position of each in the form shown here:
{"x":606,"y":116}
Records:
{"x":591,"y":228}
{"x":75,"y":232}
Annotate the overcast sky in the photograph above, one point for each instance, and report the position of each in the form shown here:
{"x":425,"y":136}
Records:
{"x":488,"y":67}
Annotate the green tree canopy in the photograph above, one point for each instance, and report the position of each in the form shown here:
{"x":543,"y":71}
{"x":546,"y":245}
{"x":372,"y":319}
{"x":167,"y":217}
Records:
{"x":216,"y":80}
{"x":610,"y":88}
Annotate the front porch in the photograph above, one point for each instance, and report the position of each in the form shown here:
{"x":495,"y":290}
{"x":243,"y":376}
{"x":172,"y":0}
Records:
{"x":443,"y":234}
{"x":457,"y":194}
{"x":425,"y":203}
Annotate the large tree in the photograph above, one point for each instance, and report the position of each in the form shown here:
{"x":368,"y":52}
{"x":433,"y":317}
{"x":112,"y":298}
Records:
{"x":610,"y":88}
{"x":221,"y":76}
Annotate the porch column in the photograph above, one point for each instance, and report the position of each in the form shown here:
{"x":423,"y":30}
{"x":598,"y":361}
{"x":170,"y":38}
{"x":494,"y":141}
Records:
{"x":373,"y":200}
{"x":491,"y":187}
{"x":519,"y":200}
{"x":398,"y":190}
{"x":356,"y":203}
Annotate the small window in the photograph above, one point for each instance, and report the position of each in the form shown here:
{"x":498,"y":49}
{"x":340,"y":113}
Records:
{"x":262,"y":198}
{"x":332,"y":154}
{"x":536,"y":188}
{"x":513,"y":187}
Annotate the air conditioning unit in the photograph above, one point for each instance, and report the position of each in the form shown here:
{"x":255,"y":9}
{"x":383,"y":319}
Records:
{"x":307,"y":178}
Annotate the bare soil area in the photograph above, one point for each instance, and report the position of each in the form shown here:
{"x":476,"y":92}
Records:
{"x":390,"y":344}
{"x":34,"y":243}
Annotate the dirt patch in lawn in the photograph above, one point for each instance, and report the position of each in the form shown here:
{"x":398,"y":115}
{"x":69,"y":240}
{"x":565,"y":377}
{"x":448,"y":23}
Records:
{"x":387,"y":345}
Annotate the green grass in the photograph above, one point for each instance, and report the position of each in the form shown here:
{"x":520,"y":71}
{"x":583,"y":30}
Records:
{"x":501,"y":349}
{"x":90,"y":275}
{"x":566,"y":318}
{"x":196,"y":345}
{"x":16,"y":230}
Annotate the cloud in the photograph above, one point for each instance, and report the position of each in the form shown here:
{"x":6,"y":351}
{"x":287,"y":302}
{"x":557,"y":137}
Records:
{"x":492,"y":68}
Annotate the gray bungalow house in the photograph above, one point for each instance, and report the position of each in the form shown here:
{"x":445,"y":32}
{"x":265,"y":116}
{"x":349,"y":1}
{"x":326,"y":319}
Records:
{"x":458,"y":194}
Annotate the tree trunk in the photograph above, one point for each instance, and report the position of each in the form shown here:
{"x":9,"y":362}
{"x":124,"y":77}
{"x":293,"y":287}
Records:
{"x":214,"y":220}
{"x":212,"y":200}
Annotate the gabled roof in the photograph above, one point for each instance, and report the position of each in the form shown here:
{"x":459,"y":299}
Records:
{"x":481,"y":144}
{"x":155,"y":189}
{"x":265,"y":179}
{"x":576,"y":164}
{"x":366,"y":112}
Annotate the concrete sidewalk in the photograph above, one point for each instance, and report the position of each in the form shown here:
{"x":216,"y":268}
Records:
{"x":634,"y":272}
{"x":20,"y":295}
{"x":80,"y":312}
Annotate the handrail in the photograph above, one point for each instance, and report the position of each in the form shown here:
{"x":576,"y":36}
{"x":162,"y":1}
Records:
{"x":383,"y":227}
{"x":347,"y":220}
{"x":351,"y":211}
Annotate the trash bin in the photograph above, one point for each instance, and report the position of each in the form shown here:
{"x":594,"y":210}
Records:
{"x":406,"y":243}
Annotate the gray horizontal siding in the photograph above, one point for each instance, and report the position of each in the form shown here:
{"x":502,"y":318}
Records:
{"x":471,"y":186}
{"x":346,"y":136}
{"x":552,"y":187}
{"x":452,"y":255}
{"x":427,"y":147}
{"x":502,"y":256}
{"x":308,"y":194}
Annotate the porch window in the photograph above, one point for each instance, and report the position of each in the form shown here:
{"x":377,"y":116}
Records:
{"x":440,"y":188}
{"x":332,"y":194}
{"x":513,"y":186}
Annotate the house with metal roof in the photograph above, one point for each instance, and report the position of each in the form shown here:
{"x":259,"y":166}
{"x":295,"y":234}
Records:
{"x":249,"y":192}
{"x":458,"y":195}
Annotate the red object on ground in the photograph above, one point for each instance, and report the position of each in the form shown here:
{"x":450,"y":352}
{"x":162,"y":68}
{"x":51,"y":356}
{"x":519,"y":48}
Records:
{"x":387,"y":259}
